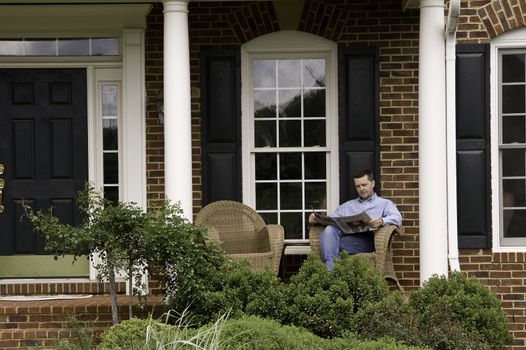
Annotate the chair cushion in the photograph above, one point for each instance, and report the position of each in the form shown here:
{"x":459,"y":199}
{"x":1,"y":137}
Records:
{"x":258,"y":261}
{"x":245,"y":242}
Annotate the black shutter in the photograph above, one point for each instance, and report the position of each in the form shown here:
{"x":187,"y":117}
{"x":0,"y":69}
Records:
{"x":359,"y":121}
{"x":473,"y":146}
{"x":221,"y":124}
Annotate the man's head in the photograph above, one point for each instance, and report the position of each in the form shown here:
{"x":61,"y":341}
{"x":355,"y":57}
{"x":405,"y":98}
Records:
{"x":364,"y":183}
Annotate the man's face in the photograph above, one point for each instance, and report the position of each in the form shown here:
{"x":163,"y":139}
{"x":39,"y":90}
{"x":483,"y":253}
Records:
{"x":364,"y":187}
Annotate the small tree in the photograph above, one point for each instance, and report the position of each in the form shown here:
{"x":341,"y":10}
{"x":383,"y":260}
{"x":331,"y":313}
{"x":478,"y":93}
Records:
{"x":132,"y":240}
{"x":114,"y":230}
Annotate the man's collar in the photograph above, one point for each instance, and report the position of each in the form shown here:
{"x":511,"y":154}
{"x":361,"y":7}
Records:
{"x":361,"y":200}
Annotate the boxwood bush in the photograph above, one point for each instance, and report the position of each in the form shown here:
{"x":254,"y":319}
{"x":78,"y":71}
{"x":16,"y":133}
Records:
{"x":319,"y":300}
{"x":462,"y":303}
{"x":446,"y":313}
{"x":325,"y":302}
{"x":234,"y":288}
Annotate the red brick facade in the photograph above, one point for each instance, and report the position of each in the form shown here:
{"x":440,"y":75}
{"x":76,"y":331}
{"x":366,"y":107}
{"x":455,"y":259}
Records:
{"x":358,"y":22}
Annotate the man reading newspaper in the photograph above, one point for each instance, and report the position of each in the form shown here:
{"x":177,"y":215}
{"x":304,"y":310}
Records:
{"x":381,"y":212}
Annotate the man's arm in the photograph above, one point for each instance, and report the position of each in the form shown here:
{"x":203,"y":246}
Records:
{"x":391,"y":215}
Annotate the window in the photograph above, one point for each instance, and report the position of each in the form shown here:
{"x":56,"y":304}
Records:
{"x":289,"y":136}
{"x":508,"y":141}
{"x":60,"y":47}
{"x":110,"y":140}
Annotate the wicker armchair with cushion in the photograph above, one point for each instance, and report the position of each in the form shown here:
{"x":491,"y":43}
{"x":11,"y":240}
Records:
{"x":381,"y":258}
{"x":243,"y":234}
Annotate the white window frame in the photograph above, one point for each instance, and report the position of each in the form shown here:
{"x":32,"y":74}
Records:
{"x":290,"y":45}
{"x":514,"y":40}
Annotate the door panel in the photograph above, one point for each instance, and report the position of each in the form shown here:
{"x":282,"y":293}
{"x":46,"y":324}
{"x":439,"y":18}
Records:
{"x":43,"y":147}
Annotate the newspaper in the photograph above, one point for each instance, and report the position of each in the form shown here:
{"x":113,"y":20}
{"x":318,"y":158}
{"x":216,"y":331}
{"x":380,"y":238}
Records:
{"x":348,"y":224}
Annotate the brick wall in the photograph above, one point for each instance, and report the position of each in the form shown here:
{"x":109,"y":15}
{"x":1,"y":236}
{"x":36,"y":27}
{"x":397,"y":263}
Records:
{"x":381,"y":23}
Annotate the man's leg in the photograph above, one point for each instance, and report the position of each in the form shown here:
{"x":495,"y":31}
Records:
{"x":357,"y":243}
{"x":330,"y":245}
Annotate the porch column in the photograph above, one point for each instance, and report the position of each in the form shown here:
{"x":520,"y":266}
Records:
{"x":432,"y":141}
{"x":177,"y":124}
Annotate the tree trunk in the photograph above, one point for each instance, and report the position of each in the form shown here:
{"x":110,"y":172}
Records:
{"x":113,"y":296}
{"x":130,"y":290}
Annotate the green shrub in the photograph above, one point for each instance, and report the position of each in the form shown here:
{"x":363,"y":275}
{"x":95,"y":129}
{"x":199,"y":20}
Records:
{"x":128,"y":335}
{"x":464,"y":305}
{"x":254,"y":333}
{"x":234,"y":288}
{"x":390,"y":317}
{"x":455,"y":313}
{"x":324,"y":302}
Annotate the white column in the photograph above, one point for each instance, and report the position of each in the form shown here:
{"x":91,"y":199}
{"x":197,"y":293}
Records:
{"x":432,"y":141}
{"x":177,"y":123}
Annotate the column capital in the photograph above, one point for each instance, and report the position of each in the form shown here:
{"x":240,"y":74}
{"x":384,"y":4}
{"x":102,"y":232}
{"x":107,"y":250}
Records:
{"x":431,"y":3}
{"x":175,"y":5}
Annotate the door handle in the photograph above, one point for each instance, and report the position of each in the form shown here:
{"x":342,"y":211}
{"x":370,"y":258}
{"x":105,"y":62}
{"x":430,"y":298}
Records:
{"x":1,"y":196}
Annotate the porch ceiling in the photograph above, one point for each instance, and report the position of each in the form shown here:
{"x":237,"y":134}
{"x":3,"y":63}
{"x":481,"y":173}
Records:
{"x":405,"y":3}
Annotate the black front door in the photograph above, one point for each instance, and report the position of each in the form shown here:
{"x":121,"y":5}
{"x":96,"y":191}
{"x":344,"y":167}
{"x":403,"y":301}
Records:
{"x":43,"y":150}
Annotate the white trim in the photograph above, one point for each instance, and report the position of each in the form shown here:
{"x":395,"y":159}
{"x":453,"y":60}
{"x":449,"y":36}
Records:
{"x":133,"y":125}
{"x":297,"y":45}
{"x":515,"y":39}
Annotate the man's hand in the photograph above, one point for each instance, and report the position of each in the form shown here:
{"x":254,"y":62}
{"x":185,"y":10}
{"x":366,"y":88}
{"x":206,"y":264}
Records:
{"x":312,"y":219}
{"x":376,"y":223}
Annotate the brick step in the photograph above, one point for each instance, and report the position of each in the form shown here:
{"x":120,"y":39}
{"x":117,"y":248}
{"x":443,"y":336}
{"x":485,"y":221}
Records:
{"x":36,"y":288}
{"x":41,"y":338}
{"x":43,"y":323}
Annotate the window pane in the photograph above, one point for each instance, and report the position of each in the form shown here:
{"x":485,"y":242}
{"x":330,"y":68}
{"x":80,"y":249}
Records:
{"x":266,"y":196}
{"x":111,"y":193}
{"x":110,"y":138}
{"x":265,"y":133}
{"x":314,"y":133}
{"x":289,"y":73}
{"x":292,"y":224}
{"x":109,"y":100}
{"x":289,"y":103}
{"x":289,"y":133}
{"x":314,"y":103}
{"x":266,"y":166}
{"x":290,"y":166}
{"x":11,"y":47}
{"x":315,"y":165}
{"x":513,"y":99}
{"x":73,"y":47}
{"x":265,"y":73}
{"x":513,"y":162}
{"x":314,"y":73}
{"x":513,"y":129}
{"x":270,"y":218}
{"x":514,"y":223}
{"x":104,"y":47}
{"x":290,"y":195}
{"x":513,"y":195}
{"x":315,"y":195}
{"x":265,"y":104}
{"x":111,"y":168}
{"x":513,"y":68}
{"x":41,"y":47}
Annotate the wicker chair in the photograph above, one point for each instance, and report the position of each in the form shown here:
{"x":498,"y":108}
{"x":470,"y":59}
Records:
{"x":243,"y":234}
{"x":381,"y":258}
